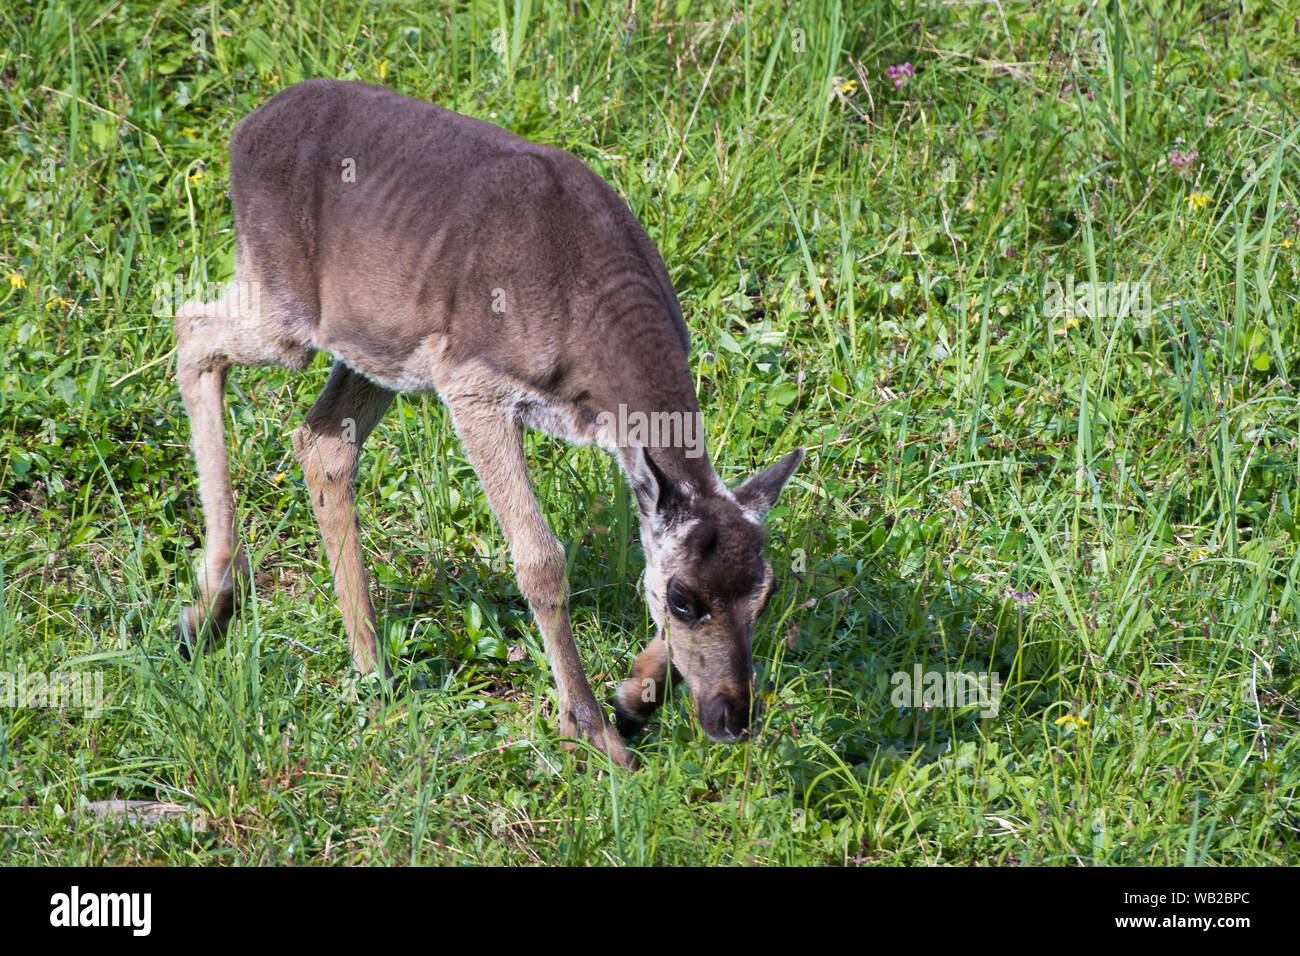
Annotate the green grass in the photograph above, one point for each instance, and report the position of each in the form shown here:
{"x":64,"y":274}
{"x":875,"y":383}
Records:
{"x":1102,"y":510}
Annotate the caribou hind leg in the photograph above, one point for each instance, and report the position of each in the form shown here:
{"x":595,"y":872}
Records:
{"x":212,"y":337}
{"x":328,"y":446}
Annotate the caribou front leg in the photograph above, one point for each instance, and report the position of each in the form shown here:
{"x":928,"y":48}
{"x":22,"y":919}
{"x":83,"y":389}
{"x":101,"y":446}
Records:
{"x":493,"y":439}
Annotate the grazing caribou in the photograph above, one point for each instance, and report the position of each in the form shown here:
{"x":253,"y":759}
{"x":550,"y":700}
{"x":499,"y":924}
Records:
{"x":431,"y":252}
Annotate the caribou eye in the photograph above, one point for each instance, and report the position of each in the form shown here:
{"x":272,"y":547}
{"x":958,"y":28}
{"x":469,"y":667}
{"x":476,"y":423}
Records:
{"x":682,"y":603}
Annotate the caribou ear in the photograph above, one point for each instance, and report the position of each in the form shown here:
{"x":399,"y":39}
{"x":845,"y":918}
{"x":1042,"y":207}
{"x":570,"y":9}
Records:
{"x":759,"y":492}
{"x":656,"y":493}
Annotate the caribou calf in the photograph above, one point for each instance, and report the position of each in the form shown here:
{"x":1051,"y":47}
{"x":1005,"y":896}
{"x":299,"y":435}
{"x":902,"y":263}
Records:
{"x":431,"y":252}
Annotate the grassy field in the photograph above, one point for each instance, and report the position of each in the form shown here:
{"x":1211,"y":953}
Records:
{"x":1029,"y":297}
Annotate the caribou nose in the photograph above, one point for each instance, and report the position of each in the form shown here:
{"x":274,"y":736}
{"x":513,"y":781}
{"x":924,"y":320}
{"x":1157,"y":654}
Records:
{"x":725,"y":717}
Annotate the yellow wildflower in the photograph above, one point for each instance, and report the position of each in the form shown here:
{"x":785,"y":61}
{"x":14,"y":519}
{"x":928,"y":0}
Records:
{"x":1071,"y":322}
